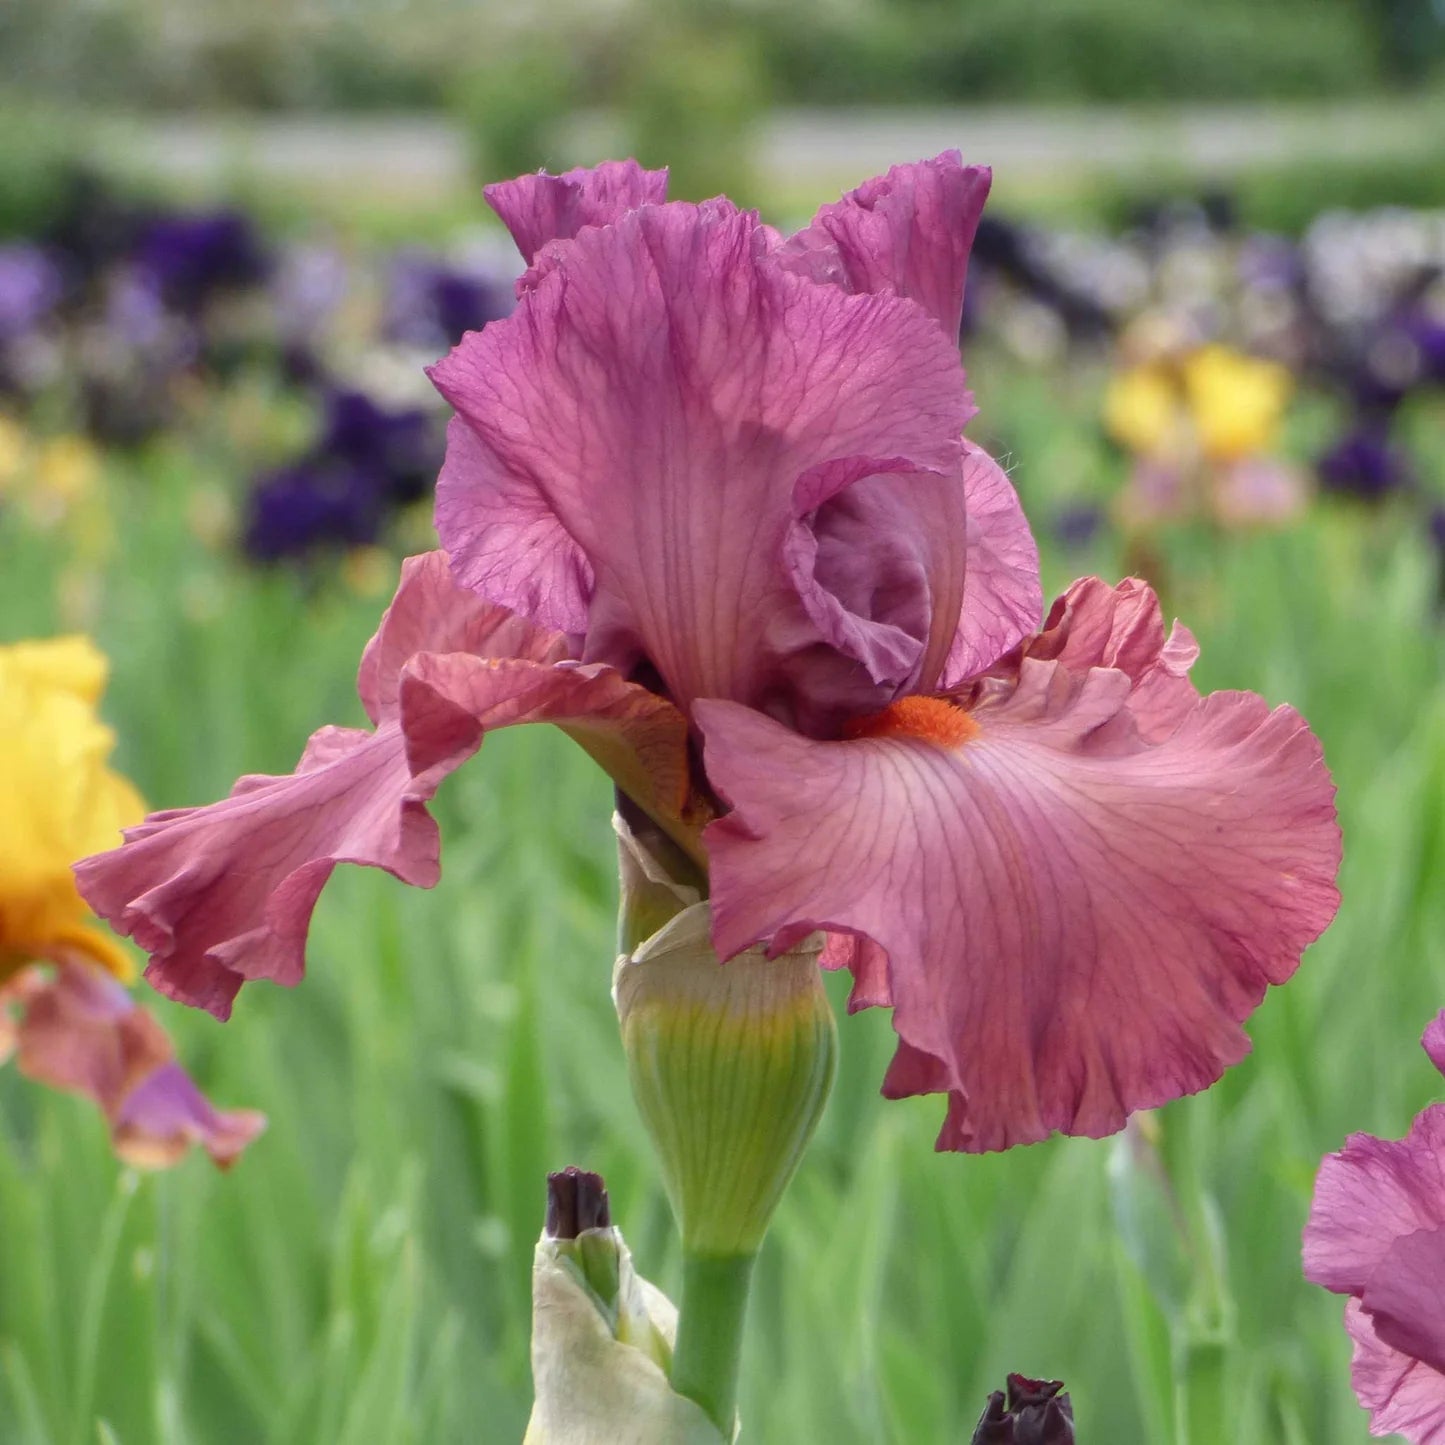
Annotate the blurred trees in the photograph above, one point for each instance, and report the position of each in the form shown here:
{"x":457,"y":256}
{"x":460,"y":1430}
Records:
{"x":409,"y":53}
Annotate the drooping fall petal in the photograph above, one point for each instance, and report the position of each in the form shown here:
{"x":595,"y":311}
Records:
{"x":1079,"y":903}
{"x":80,"y":1031}
{"x":908,"y":232}
{"x":655,"y":419}
{"x":224,"y":893}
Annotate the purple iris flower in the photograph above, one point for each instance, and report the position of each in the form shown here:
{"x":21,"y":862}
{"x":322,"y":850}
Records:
{"x":191,"y":258}
{"x":311,"y":504}
{"x":404,"y":448}
{"x":1365,"y":463}
{"x":433,"y":304}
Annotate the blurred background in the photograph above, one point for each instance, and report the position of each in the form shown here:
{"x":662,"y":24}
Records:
{"x":1206,"y":327}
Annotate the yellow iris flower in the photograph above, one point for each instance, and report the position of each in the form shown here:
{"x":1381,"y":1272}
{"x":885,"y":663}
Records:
{"x":62,"y":802}
{"x":1213,"y":402}
{"x":1235,"y":401}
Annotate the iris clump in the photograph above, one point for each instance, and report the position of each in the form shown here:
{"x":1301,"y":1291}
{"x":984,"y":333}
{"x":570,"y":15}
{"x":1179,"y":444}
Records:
{"x":708,"y":506}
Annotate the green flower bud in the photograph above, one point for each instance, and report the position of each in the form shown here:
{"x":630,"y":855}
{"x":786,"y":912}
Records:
{"x":731,"y":1065}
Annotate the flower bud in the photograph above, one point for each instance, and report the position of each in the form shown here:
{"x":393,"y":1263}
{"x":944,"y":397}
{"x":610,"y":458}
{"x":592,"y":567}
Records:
{"x":731,"y":1065}
{"x":1034,"y":1412}
{"x":602,"y":1335}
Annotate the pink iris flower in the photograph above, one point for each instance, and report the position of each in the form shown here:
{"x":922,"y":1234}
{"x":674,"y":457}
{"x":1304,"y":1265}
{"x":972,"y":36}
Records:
{"x":707,"y":505}
{"x":1376,"y":1233}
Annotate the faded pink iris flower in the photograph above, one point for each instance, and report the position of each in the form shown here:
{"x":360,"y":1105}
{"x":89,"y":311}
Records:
{"x":1376,"y":1233}
{"x":707,"y":506}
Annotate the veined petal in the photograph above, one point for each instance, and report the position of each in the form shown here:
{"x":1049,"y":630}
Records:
{"x":541,"y":208}
{"x":1405,"y":1300}
{"x":81,"y":1031}
{"x":1079,"y":909}
{"x":650,"y":408}
{"x":224,"y":893}
{"x":1373,"y":1192}
{"x":221,"y":894}
{"x":1403,"y":1395}
{"x":908,"y":232}
{"x":430,"y":613}
{"x":1003,"y":599}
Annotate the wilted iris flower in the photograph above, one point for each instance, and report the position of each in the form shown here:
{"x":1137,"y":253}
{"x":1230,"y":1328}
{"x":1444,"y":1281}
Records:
{"x":1376,"y":1233}
{"x":707,"y":506}
{"x":62,"y":1006}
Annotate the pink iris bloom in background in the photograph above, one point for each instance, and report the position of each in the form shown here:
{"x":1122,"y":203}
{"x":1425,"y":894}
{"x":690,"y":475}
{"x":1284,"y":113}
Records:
{"x":707,"y":506}
{"x":1376,"y":1233}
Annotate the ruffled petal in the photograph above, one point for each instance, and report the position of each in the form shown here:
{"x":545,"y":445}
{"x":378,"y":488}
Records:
{"x":1079,"y":908}
{"x":649,"y":410}
{"x":1003,"y":598}
{"x":222,"y":894}
{"x":908,"y":232}
{"x":430,"y":613}
{"x":541,"y":208}
{"x":1403,"y":1396}
{"x":1373,"y":1192}
{"x":81,"y":1031}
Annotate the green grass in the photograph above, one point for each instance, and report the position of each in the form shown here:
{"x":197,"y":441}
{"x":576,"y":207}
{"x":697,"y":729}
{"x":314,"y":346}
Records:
{"x":362,"y":1276}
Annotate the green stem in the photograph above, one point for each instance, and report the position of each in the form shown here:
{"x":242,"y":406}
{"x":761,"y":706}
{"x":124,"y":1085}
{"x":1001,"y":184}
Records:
{"x":710,"y":1333}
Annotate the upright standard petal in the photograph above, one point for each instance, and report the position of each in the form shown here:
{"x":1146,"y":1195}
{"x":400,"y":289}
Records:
{"x":221,"y":894}
{"x":1003,"y":599}
{"x":908,"y":232}
{"x":1079,"y":903}
{"x":541,"y":208}
{"x":80,"y":1031}
{"x":656,"y":418}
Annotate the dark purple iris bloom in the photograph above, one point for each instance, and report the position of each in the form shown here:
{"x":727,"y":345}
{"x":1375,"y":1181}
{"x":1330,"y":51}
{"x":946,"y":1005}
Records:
{"x":433,"y":304}
{"x":403,"y":448}
{"x":191,"y":258}
{"x":1364,"y":463}
{"x":30,"y":287}
{"x":312,"y":504}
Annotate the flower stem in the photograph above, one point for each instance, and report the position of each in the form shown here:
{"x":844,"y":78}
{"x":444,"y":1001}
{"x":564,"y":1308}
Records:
{"x":710,"y":1333}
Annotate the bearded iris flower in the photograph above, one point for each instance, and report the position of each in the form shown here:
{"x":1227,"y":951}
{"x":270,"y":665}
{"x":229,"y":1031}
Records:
{"x":707,"y":505}
{"x":1376,"y":1233}
{"x":63,"y":1007}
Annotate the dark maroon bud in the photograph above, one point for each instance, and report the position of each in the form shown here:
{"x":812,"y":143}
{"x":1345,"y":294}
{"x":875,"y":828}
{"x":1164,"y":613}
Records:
{"x":576,"y":1200}
{"x":1033,"y":1412}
